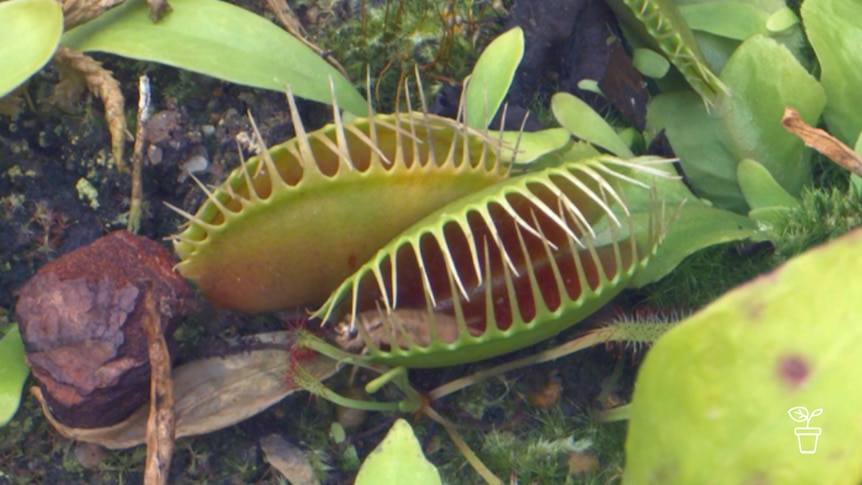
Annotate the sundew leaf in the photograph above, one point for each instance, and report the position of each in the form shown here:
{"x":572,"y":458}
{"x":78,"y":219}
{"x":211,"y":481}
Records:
{"x":835,"y":33}
{"x":30,"y":32}
{"x":744,"y":124}
{"x":492,"y":76}
{"x":398,"y":459}
{"x":712,"y":397}
{"x":220,"y":40}
{"x":13,"y":373}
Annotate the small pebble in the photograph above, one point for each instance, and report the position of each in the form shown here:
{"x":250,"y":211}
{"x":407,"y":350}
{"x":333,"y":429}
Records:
{"x":288,"y":459}
{"x":194,"y":164}
{"x":89,"y":455}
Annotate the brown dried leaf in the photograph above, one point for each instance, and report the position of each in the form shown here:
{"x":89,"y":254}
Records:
{"x":76,"y":12}
{"x":288,"y":459}
{"x":211,"y":394}
{"x":68,"y":91}
{"x":161,"y":424}
{"x":101,"y":83}
{"x":823,"y":142}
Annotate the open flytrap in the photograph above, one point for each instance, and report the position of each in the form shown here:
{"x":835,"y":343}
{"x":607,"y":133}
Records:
{"x":502,"y":268}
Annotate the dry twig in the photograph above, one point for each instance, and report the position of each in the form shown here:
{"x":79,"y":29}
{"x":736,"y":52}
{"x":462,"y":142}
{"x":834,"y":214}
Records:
{"x":823,"y":142}
{"x":135,"y":203}
{"x":161,"y":423}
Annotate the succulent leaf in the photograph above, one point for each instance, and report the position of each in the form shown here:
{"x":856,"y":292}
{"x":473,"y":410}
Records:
{"x":287,"y":227}
{"x":514,"y":263}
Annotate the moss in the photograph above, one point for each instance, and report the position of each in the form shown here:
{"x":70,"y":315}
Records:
{"x":707,"y":274}
{"x":823,"y":215}
{"x":87,"y":193}
{"x":389,"y":39}
{"x":543,"y":449}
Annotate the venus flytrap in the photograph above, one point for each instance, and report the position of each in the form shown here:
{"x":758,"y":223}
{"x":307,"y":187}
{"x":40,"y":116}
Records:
{"x":659,"y":25}
{"x":511,"y":259}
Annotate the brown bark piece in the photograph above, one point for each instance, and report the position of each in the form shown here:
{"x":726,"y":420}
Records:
{"x":80,"y":319}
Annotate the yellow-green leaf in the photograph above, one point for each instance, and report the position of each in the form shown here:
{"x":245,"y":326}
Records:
{"x":29,"y":33}
{"x":712,"y":398}
{"x":13,"y":373}
{"x":583,"y":122}
{"x":492,"y":77}
{"x":398,"y":459}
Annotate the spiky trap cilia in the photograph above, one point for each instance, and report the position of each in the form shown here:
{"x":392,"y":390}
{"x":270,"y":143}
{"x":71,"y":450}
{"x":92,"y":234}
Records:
{"x":415,"y":214}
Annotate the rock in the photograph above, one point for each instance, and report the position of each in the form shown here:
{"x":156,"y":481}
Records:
{"x":80,"y":321}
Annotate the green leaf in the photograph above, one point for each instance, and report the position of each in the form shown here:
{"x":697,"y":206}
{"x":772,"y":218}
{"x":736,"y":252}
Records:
{"x":760,"y":188}
{"x":535,"y":144}
{"x":712,"y":397}
{"x":744,"y":124}
{"x":580,"y":119}
{"x":13,"y":373}
{"x":695,"y":227}
{"x":781,"y":21}
{"x":650,"y":63}
{"x":835,"y":33}
{"x":30,"y":32}
{"x":579,"y":150}
{"x":492,"y":76}
{"x":220,"y":40}
{"x":734,"y":20}
{"x":398,"y":459}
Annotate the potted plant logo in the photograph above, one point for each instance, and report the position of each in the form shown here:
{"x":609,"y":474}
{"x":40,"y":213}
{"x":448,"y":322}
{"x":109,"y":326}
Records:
{"x":807,"y":436}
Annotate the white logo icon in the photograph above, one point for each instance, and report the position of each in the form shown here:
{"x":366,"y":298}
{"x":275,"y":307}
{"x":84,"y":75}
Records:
{"x":806,"y":436}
